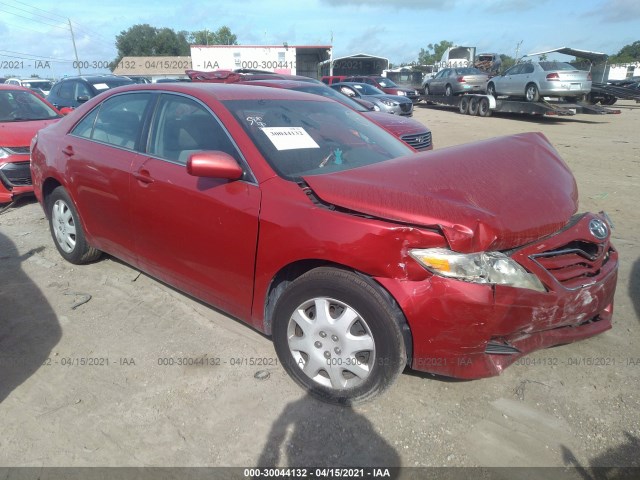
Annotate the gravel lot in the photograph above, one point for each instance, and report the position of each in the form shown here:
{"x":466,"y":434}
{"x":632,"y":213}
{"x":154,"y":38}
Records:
{"x":90,"y":372}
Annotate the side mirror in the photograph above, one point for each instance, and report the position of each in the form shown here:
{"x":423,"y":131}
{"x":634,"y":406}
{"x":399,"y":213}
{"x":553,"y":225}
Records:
{"x":82,"y":98}
{"x":213,"y":164}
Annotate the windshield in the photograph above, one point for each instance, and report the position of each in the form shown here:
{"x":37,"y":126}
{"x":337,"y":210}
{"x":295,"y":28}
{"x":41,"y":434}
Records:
{"x":19,"y":105}
{"x":300,"y":138}
{"x":41,"y":84}
{"x":469,"y":71}
{"x":366,"y":89}
{"x":386,"y":83}
{"x":551,"y":66}
{"x":107,"y":83}
{"x":333,"y":95}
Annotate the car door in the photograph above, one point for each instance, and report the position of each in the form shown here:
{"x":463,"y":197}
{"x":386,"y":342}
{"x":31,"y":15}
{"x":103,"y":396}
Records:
{"x":436,"y":87}
{"x":197,"y":234}
{"x":101,"y":149}
{"x":508,"y":84}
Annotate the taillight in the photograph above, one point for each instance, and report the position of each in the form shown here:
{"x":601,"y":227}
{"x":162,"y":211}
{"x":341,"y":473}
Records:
{"x":460,"y":80}
{"x":553,"y":76}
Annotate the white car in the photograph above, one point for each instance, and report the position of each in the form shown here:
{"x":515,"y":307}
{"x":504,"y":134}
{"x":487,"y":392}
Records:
{"x":34,"y":83}
{"x":533,"y":80}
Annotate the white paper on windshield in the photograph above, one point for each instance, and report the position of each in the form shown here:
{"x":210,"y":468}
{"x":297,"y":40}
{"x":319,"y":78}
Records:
{"x":100,"y":86}
{"x":289,"y":138}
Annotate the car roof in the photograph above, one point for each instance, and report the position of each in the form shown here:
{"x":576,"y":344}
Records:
{"x":221,"y":91}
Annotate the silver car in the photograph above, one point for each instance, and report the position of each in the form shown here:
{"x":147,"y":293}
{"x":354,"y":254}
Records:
{"x":455,"y":81}
{"x":395,"y":104}
{"x":541,"y":79}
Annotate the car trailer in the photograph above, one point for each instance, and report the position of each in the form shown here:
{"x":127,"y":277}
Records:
{"x":607,"y":94}
{"x":486,"y":105}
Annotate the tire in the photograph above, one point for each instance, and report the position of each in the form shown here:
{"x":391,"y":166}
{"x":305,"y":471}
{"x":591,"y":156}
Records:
{"x":426,"y":90}
{"x":464,"y":104}
{"x":448,"y":91}
{"x":609,"y":100}
{"x":491,"y":90}
{"x":353,"y":351}
{"x":531,"y":93}
{"x":66,"y":229}
{"x":474,"y":105}
{"x":484,"y":108}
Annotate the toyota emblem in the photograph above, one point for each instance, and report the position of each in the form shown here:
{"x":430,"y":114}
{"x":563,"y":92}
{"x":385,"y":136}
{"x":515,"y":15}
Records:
{"x":598,"y":229}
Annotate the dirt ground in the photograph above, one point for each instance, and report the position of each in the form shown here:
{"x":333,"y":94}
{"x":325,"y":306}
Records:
{"x":90,"y":373}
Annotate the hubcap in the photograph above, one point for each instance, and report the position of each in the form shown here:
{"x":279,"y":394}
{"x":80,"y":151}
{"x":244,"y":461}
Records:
{"x":64,"y":227}
{"x":331,"y":343}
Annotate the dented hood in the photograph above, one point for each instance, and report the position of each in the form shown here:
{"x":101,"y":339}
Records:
{"x":491,"y":195}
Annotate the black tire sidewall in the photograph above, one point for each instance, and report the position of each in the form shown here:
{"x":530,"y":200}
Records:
{"x":390,"y":356}
{"x":76,"y":256}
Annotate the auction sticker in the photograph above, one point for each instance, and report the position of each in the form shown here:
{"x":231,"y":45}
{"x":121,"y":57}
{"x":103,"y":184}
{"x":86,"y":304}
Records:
{"x":289,"y":138}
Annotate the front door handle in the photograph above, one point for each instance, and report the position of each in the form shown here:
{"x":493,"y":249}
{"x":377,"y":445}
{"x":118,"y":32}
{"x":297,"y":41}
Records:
{"x":143,"y":176}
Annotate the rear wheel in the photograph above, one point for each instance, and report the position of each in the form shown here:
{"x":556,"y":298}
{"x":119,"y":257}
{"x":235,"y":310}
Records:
{"x":474,"y":105}
{"x":66,"y":229}
{"x":531,"y":93}
{"x":338,"y":336}
{"x":464,"y":104}
{"x":484,"y":109}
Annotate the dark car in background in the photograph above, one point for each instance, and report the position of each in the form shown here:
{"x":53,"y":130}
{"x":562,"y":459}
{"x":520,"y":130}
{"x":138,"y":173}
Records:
{"x":22,"y":114}
{"x":74,"y":91}
{"x":386,"y":85}
{"x":394,"y":104}
{"x":456,"y":81}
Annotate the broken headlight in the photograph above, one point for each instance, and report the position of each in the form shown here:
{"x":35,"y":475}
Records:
{"x":483,"y":267}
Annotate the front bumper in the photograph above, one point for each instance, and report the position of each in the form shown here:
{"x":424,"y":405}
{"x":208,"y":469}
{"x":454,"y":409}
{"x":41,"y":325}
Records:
{"x":467,"y":330}
{"x":15,"y":179}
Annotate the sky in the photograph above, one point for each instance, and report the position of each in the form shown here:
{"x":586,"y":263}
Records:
{"x":36,"y":36}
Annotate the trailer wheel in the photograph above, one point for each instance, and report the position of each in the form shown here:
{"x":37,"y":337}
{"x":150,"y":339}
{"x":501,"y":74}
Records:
{"x":484,"y":109}
{"x":464,"y":105}
{"x":531,"y":93}
{"x":474,"y":105}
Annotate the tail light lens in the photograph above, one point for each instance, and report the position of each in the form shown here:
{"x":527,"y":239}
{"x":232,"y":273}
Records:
{"x":553,"y":76}
{"x":460,"y":80}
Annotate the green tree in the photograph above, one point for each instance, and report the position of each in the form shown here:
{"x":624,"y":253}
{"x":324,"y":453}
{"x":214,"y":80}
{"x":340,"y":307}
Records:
{"x":222,"y":36}
{"x":433,"y":52}
{"x":143,"y":40}
{"x":507,"y":61}
{"x":627,"y":54}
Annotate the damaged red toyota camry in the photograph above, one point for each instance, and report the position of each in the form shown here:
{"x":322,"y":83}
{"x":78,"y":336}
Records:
{"x":305,"y":220}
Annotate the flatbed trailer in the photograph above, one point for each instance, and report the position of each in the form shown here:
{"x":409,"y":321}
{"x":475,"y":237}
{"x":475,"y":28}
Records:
{"x":486,"y":105}
{"x":607,"y":94}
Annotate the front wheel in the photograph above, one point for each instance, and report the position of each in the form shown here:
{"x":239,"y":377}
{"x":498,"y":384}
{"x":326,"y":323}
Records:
{"x":531,"y":93}
{"x":339,"y":336}
{"x":66,"y":229}
{"x":491,"y":90}
{"x":448,"y":91}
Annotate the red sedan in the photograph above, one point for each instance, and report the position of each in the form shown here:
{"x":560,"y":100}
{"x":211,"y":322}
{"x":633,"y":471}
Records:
{"x":22,"y":114}
{"x":300,"y":217}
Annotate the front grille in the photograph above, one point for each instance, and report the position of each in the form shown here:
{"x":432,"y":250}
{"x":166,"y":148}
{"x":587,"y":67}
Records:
{"x":17,"y":150}
{"x":16,"y":174}
{"x":419,"y":141}
{"x":406,"y":107}
{"x":495,"y":347}
{"x":575,"y":263}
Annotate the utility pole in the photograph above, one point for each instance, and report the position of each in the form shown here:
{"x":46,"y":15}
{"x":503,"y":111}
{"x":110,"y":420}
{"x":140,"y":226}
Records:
{"x":518,"y":49}
{"x":74,"y":47}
